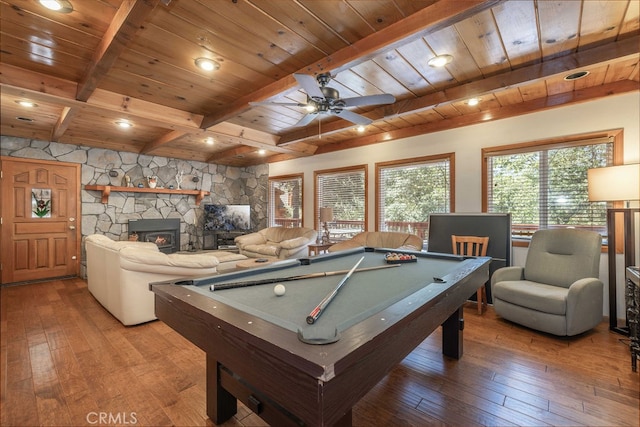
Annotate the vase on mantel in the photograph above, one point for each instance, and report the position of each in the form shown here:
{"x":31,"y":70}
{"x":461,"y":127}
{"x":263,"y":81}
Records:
{"x":152,"y":181}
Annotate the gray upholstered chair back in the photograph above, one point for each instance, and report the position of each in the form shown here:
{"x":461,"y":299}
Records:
{"x":560,"y":257}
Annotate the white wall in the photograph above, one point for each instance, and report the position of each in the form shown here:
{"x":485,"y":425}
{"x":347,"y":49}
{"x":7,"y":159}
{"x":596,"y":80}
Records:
{"x":621,"y":111}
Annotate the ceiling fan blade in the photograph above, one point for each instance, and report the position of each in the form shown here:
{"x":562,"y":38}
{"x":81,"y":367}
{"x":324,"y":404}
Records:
{"x":305,"y":120}
{"x":287,"y":104}
{"x":309,"y":84}
{"x":360,"y":101}
{"x":352,"y":117}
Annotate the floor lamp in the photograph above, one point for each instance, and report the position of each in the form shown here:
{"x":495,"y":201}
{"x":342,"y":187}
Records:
{"x":326,"y":215}
{"x":609,"y":184}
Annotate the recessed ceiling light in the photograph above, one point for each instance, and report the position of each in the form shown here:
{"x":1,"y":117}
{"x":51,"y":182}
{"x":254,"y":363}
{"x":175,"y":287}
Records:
{"x":27,"y":104}
{"x":209,"y":141}
{"x":473,"y":101}
{"x":207,"y":64}
{"x":576,"y":76}
{"x":61,"y":6}
{"x":261,"y":152}
{"x":440,"y":61}
{"x":124,"y":124}
{"x":360,"y":128}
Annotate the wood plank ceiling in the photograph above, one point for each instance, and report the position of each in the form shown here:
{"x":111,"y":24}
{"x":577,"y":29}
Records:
{"x":111,"y":60}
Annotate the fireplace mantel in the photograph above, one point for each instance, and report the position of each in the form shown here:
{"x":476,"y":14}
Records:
{"x":107,"y":189}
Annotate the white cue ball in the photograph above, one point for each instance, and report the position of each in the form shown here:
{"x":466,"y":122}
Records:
{"x":279,"y":289}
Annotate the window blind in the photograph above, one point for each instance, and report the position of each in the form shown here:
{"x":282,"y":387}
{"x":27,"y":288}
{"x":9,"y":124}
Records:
{"x":409,"y":192}
{"x":344,"y":192}
{"x":547,"y":188}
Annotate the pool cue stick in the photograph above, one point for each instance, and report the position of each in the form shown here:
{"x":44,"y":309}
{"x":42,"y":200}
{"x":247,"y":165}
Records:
{"x":316,"y":312}
{"x":233,"y":285}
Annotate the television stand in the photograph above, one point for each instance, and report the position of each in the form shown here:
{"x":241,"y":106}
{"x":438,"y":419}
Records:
{"x":221,"y":240}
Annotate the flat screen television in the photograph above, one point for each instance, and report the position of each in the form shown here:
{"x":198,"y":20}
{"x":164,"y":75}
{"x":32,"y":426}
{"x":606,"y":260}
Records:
{"x":227,"y":218}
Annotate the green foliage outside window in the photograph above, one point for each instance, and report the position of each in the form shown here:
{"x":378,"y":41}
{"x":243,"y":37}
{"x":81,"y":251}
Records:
{"x":412,"y":193}
{"x":548,"y":188}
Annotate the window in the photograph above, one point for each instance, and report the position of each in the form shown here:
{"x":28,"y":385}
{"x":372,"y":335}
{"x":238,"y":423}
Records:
{"x":408,"y":191}
{"x":343,"y":190}
{"x":285,"y":201}
{"x":545,"y":186}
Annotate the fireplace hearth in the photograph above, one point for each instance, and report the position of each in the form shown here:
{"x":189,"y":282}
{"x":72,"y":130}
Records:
{"x":163,"y":232}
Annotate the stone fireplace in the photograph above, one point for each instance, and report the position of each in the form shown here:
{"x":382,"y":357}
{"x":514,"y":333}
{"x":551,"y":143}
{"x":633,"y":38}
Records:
{"x":163,"y":232}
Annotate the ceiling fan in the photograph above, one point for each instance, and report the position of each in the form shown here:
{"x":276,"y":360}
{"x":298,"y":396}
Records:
{"x":322,"y":99}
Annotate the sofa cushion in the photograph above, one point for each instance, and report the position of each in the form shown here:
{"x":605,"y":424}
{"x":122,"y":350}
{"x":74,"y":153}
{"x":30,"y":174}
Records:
{"x":532,"y":295}
{"x":294,"y":243}
{"x":267,"y":249}
{"x":553,"y":254}
{"x":281,"y":234}
{"x":137,"y":255}
{"x":107,"y":243}
{"x":391,"y":240}
{"x":225,"y":256}
{"x":380,"y":239}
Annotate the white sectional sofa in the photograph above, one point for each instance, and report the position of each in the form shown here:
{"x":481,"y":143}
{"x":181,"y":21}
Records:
{"x":119,"y":273}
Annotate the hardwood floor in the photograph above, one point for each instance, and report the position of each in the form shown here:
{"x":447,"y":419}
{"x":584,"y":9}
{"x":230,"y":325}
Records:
{"x":65,"y":360}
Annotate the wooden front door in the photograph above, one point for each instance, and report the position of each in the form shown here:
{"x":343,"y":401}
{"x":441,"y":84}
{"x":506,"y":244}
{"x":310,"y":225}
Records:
{"x":39,"y":242}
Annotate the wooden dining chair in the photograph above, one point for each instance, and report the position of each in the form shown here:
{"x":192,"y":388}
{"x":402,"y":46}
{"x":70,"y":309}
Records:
{"x":472,"y":246}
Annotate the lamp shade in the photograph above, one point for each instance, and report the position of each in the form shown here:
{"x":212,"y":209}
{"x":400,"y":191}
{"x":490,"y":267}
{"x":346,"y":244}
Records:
{"x":614,"y":183}
{"x":326,"y":214}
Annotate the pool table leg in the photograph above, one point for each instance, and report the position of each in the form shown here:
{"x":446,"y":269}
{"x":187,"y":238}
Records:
{"x":221,"y":405}
{"x":452,"y":334}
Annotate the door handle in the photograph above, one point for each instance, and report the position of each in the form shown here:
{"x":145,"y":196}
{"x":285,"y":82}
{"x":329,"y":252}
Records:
{"x":72,"y":227}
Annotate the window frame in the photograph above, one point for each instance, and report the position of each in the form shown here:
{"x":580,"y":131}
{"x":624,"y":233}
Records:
{"x":614,"y":135}
{"x":450,"y":157}
{"x":283,"y":178}
{"x":356,"y":168}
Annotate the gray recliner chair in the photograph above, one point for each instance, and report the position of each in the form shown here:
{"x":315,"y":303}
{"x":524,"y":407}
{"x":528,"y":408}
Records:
{"x":558,"y":290}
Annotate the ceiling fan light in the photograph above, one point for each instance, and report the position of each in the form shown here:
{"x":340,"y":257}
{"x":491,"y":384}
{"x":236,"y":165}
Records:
{"x":207,"y":64}
{"x":61,"y":6}
{"x":440,"y":61}
{"x":310,"y":108}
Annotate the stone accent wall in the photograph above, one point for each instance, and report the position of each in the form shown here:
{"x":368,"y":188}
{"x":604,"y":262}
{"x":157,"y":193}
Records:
{"x":228,"y":185}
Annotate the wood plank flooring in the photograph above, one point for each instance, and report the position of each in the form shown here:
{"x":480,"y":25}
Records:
{"x":65,"y":361}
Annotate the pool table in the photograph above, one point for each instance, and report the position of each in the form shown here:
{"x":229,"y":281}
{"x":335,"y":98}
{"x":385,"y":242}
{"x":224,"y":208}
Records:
{"x":261,"y":350}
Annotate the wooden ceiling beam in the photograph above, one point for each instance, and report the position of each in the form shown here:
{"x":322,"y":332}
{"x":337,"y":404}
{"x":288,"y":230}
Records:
{"x":66,"y":117}
{"x":527,"y":107}
{"x":597,"y":56}
{"x":164,"y":139}
{"x":429,"y":19}
{"x":126,"y":22}
{"x":44,"y":88}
